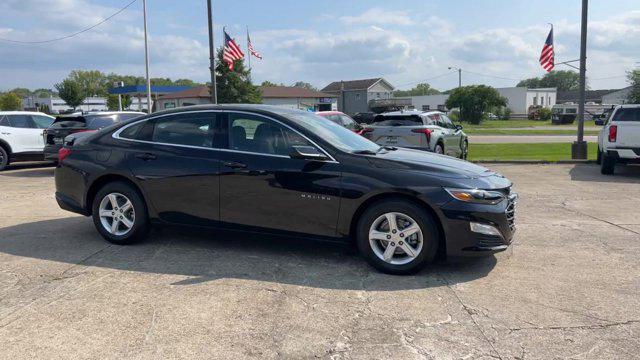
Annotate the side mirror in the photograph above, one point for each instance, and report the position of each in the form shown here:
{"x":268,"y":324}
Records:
{"x":307,"y":153}
{"x":599,"y":121}
{"x":458,"y":127}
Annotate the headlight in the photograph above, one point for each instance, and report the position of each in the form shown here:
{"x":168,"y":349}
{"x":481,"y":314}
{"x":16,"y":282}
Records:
{"x":476,"y":195}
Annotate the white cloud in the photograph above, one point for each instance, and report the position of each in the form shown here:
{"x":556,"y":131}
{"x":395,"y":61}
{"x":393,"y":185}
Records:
{"x":380,"y":17}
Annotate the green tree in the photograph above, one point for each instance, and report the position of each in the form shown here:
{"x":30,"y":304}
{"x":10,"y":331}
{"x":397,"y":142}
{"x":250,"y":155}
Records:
{"x":10,"y":101}
{"x":234,"y":86}
{"x":21,"y":92}
{"x":306,"y":85}
{"x":473,"y":101}
{"x":564,"y":80}
{"x":634,"y":80}
{"x":92,"y":82}
{"x":43,"y":93}
{"x":418,"y":90}
{"x":269,"y":83}
{"x":71,"y":92}
{"x":112,"y":102}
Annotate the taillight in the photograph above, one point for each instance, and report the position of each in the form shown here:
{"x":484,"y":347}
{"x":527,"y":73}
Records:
{"x":613,"y":133}
{"x":365,"y":131}
{"x":63,"y":153}
{"x":426,"y":132}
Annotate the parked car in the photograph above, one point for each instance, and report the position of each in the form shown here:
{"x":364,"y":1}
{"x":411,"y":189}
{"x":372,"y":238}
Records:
{"x":341,"y":118}
{"x":268,"y":169}
{"x":491,"y":116}
{"x":21,"y":136}
{"x":364,"y":117}
{"x":619,"y":139}
{"x":65,"y":125}
{"x":431,"y":130}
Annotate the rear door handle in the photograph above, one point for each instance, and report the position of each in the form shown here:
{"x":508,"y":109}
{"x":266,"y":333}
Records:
{"x":146,"y":156}
{"x":235,"y":165}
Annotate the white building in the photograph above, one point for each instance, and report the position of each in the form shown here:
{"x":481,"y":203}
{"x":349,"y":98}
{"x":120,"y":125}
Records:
{"x":519,"y":100}
{"x":56,"y":105}
{"x":617,"y":97}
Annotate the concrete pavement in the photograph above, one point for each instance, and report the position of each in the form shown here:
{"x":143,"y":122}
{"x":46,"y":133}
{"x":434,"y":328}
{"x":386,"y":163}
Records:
{"x":568,"y":288}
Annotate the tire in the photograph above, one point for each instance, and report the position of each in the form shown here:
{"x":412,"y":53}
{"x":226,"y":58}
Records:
{"x":607,"y":164}
{"x":439,"y":149}
{"x":599,"y":157}
{"x":465,"y":150}
{"x":124,"y":234}
{"x":4,"y":158}
{"x":400,"y":263}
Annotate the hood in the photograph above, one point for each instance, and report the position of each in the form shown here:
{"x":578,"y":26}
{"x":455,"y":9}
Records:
{"x":434,"y":164}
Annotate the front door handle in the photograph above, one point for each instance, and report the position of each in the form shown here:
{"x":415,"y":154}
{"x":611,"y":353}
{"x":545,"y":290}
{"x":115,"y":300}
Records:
{"x":235,"y":165}
{"x":146,"y":156}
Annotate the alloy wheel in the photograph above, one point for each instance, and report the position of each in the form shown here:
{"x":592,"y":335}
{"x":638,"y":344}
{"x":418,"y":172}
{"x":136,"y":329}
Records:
{"x":396,"y":238}
{"x":117,"y":214}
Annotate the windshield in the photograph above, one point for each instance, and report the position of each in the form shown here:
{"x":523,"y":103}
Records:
{"x":336,"y":135}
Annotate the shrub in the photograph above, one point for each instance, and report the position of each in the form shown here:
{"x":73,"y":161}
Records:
{"x":544,"y":114}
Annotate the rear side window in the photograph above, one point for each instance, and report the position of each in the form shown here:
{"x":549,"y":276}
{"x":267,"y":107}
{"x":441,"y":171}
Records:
{"x":4,"y":121}
{"x":20,"y":121}
{"x":628,"y":114}
{"x":42,"y":122}
{"x":131,"y":132}
{"x":397,"y":120}
{"x":196,"y":129}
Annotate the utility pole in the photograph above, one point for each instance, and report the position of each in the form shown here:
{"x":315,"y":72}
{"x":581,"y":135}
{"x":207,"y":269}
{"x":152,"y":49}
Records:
{"x":579,"y":148}
{"x":459,"y":75}
{"x":146,"y":55}
{"x":212,"y":55}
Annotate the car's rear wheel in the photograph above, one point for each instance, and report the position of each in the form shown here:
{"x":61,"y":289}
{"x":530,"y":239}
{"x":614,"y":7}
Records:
{"x":607,"y":164}
{"x":397,"y":237}
{"x":120,"y":214}
{"x":439,"y":149}
{"x":4,"y":158}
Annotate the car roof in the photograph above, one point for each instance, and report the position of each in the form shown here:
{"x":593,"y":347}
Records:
{"x":629,"y":106}
{"x":114,"y":112}
{"x":24,"y":113}
{"x":330,"y":113}
{"x":410,"y":112}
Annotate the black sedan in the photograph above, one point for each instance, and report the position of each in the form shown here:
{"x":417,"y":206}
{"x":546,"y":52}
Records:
{"x":269,"y":169}
{"x":70,"y":124}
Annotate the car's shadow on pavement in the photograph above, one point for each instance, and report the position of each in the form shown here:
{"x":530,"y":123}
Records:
{"x":197,"y":256}
{"x":591,"y":172}
{"x":29,"y":169}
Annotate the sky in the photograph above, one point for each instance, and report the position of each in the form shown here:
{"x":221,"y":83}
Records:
{"x":494,"y":42}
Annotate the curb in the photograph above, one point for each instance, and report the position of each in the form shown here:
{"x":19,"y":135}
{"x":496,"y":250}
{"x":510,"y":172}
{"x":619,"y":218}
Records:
{"x":533,"y":162}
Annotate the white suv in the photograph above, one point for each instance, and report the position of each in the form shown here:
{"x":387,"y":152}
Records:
{"x":21,"y":136}
{"x":619,"y":139}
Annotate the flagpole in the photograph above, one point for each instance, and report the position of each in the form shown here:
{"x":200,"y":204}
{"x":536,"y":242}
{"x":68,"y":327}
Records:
{"x":248,"y":53}
{"x":212,"y":55}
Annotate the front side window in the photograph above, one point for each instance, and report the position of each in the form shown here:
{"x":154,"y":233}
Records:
{"x":20,"y":121}
{"x":446,"y":122}
{"x":252,"y":133}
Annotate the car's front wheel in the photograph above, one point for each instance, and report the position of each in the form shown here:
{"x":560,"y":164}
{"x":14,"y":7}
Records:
{"x":439,"y":149}
{"x":397,"y":237}
{"x":120,"y":214}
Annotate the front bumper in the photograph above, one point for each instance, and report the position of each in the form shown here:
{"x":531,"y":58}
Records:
{"x":462,"y":241}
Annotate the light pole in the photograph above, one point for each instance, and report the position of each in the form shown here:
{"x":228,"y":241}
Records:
{"x":579,"y":148}
{"x":212,"y":55}
{"x":146,"y":56}
{"x":459,"y":74}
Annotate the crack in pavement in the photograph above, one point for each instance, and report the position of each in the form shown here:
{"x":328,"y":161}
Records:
{"x":572,"y":327}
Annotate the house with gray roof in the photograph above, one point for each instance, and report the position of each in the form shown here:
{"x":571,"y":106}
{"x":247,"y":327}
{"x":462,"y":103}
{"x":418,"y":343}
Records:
{"x":364,"y":95}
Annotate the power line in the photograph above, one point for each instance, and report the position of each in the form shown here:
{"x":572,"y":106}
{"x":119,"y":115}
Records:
{"x":431,"y":78}
{"x":75,"y":33}
{"x":607,"y":78}
{"x":492,"y":76}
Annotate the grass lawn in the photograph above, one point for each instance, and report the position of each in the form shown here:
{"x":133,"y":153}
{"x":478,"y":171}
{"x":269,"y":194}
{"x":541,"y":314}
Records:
{"x":515,"y":123}
{"x":538,"y":151}
{"x":478,"y":131}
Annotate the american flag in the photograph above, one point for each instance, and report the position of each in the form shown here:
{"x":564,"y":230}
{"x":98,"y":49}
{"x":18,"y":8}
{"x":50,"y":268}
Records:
{"x":547,"y":55}
{"x":231,"y":51}
{"x":252,"y":51}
